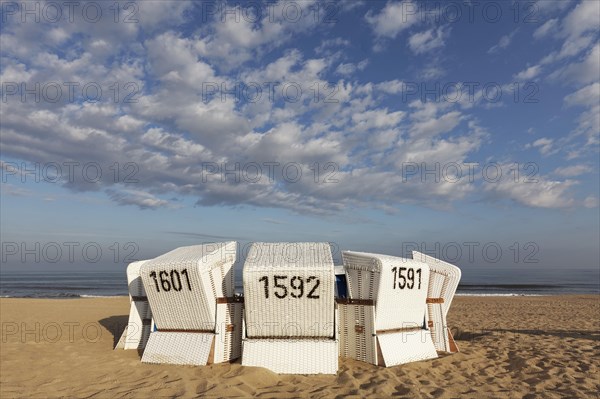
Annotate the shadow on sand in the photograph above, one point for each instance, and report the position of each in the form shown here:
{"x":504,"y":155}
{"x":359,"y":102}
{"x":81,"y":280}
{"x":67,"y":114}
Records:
{"x":115,"y":325}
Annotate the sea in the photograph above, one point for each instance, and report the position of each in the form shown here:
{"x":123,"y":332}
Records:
{"x":78,"y":283}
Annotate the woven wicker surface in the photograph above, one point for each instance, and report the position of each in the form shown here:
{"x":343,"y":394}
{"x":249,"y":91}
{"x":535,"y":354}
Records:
{"x":443,"y":281}
{"x":182,"y":285}
{"x":397,"y":285}
{"x":178,"y":348}
{"x":398,"y":289}
{"x":134,"y":282}
{"x":289,"y":290}
{"x":137,"y":331}
{"x":404,"y":347}
{"x":357,"y":327}
{"x":288,"y":356}
{"x":228,"y":342}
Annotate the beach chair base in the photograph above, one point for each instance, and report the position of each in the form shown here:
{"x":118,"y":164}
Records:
{"x":360,"y":341}
{"x":405,"y":347}
{"x":292,"y":356}
{"x":191,"y":348}
{"x":200,"y":347}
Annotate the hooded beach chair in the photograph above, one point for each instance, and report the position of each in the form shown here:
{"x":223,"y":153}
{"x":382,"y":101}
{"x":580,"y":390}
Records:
{"x":139,"y":325}
{"x":443,"y":281}
{"x":197,"y":316}
{"x":290,"y":309}
{"x":384,"y":319}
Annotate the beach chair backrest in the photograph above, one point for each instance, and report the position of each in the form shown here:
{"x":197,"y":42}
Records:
{"x":289,"y":290}
{"x":443,"y":280}
{"x":134,"y":281}
{"x":139,"y":323}
{"x":183,"y":285}
{"x":397,"y":286}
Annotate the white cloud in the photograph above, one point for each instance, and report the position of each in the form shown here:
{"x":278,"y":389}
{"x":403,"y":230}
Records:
{"x":578,"y":29}
{"x":346,"y":69}
{"x":583,"y":18}
{"x":377,"y":119}
{"x":175,"y":59}
{"x":544,"y":145}
{"x":141,"y":199}
{"x":541,"y":194}
{"x":436,"y":126}
{"x":329,"y":45}
{"x":547,"y":28}
{"x":503,"y":43}
{"x":232,"y":40}
{"x":432,"y":72}
{"x":588,"y":96}
{"x":591,"y":202}
{"x":349,"y":5}
{"x":585,"y":71}
{"x":349,"y":68}
{"x":170,"y":131}
{"x":545,"y":7}
{"x":176,"y":146}
{"x":393,"y":18}
{"x":428,"y":40}
{"x":362,"y":64}
{"x":588,"y":124}
{"x":529,"y":73}
{"x":570,"y":48}
{"x":441,"y":151}
{"x":391,"y":86}
{"x":154,"y":14}
{"x":572,"y":170}
{"x":16,"y":72}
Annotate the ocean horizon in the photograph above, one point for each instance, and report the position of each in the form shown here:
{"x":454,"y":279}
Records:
{"x":81,"y":284}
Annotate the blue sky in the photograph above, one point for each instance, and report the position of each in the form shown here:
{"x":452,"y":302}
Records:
{"x":380,"y":126}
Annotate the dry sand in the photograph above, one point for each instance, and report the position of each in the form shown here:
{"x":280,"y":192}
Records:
{"x":511,"y":347}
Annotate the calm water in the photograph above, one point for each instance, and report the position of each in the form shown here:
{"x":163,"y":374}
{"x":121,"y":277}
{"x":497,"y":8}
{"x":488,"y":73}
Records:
{"x":74,"y":284}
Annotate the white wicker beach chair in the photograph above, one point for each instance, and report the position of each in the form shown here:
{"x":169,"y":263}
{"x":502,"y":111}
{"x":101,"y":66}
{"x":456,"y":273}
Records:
{"x":191,"y":293}
{"x":139,"y":325}
{"x":290,"y":310}
{"x":443,"y":281}
{"x":383,"y":321}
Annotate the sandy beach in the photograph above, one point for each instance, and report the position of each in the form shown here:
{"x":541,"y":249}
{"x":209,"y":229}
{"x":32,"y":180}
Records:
{"x":511,"y":347}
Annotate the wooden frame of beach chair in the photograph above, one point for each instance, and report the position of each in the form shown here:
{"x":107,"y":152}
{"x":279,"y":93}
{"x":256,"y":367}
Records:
{"x":139,"y":325}
{"x":197,"y":316}
{"x":443,"y":281}
{"x":290,"y":309}
{"x":383,"y":320}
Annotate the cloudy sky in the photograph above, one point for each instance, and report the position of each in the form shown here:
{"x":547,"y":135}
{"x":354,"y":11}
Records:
{"x":458,"y":128}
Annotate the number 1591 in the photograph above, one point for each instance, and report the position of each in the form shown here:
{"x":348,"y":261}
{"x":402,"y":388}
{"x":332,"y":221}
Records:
{"x":404,"y":277}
